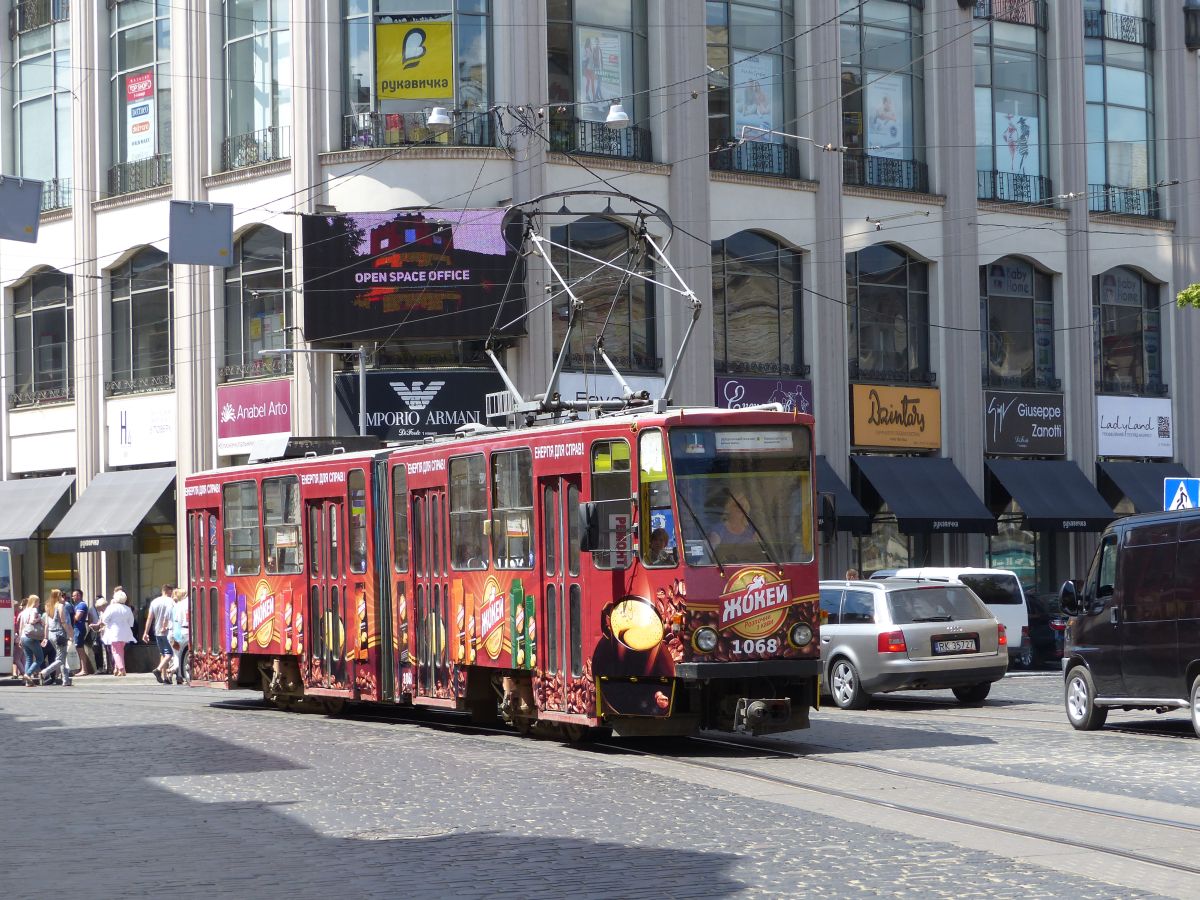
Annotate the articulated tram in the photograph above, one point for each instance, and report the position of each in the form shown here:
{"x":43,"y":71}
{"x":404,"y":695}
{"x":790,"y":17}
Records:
{"x":651,"y":573}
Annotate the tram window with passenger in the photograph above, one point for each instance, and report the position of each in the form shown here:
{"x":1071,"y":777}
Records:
{"x":659,"y":542}
{"x":611,"y":495}
{"x":512,"y":509}
{"x":239,"y":515}
{"x":468,"y":510}
{"x":744,"y":495}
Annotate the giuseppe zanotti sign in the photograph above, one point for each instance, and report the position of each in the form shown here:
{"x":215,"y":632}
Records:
{"x":1023,"y":424}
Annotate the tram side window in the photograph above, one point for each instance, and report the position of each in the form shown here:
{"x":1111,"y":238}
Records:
{"x":468,"y":509}
{"x":357,"y":489}
{"x":193,"y":536}
{"x":400,"y":519}
{"x":512,"y":509}
{"x":611,"y":492}
{"x":239,"y":513}
{"x":214,"y":621}
{"x":659,"y":544}
{"x":281,"y":525}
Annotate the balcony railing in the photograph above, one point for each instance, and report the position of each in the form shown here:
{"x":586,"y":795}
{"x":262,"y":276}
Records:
{"x":376,"y":129}
{"x":1012,"y":188}
{"x":141,"y":385}
{"x":1118,"y":27}
{"x":257,"y":368}
{"x":56,"y":194}
{"x":139,"y":175}
{"x":42,"y":396}
{"x":256,"y":147}
{"x":1027,"y":381}
{"x":881,"y":171}
{"x":758,"y":158}
{"x":1125,"y":200}
{"x":890,"y":376}
{"x":30,"y":15}
{"x":1127,"y":386}
{"x":597,"y":139}
{"x":1020,"y":12}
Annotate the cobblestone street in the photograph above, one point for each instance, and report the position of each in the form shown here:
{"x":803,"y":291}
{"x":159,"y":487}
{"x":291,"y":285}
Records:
{"x":199,"y":792}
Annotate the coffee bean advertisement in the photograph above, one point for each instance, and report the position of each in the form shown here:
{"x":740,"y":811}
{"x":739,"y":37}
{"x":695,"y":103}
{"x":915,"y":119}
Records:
{"x":1024,"y":424}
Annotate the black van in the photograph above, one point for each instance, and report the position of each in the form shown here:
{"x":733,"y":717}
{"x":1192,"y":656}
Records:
{"x":1134,"y":637}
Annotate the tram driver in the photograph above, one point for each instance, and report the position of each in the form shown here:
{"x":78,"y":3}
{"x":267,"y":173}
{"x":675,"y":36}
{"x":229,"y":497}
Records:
{"x":734,"y":527}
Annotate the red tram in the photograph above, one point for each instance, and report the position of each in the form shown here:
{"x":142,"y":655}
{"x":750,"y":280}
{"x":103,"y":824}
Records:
{"x":650,"y":573}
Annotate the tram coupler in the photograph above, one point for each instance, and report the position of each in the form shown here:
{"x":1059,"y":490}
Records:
{"x":762,"y":716}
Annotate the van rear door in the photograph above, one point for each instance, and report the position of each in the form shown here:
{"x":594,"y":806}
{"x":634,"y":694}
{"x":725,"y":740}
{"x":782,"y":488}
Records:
{"x":1147,"y":605}
{"x":1001,"y":591}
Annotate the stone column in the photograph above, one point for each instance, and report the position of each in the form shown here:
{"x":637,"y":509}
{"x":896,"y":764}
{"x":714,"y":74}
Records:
{"x":956,"y":347}
{"x":195,"y":353}
{"x":88,"y":349}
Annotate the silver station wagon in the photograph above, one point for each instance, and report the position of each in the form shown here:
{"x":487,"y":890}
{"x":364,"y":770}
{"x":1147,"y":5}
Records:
{"x":904,"y":634}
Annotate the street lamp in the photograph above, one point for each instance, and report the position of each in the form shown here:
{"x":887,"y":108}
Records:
{"x":361,"y":352}
{"x":828,"y":148}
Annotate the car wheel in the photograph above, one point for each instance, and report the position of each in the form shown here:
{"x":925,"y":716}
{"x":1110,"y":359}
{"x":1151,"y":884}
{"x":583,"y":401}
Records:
{"x":973,"y":695}
{"x":846,"y":687}
{"x":1196,"y":705}
{"x":1080,"y":694}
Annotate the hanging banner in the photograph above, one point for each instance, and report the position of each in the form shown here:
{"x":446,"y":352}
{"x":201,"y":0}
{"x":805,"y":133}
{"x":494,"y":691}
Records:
{"x":755,"y":76}
{"x":414,"y":61}
{"x":886,"y":124}
{"x":250,"y":411}
{"x":599,"y":71}
{"x":431,"y":273}
{"x":139,"y":116}
{"x":1017,"y":144}
{"x":1021,"y":424}
{"x":1134,"y":426}
{"x":884,"y":416}
{"x":738,"y":392}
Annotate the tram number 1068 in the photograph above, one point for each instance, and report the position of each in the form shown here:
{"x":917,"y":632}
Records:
{"x":762,"y":645}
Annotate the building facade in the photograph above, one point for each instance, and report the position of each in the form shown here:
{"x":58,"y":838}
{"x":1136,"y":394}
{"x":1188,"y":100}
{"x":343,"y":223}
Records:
{"x":953,"y":231}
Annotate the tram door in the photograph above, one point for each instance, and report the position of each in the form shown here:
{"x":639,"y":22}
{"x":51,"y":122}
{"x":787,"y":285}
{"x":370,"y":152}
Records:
{"x":562,"y":637}
{"x":431,"y":590}
{"x":328,"y":602}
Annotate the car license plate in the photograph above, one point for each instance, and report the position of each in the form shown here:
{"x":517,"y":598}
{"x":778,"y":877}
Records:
{"x":947,"y":646}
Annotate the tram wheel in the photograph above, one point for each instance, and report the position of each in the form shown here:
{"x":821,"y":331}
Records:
{"x":574,"y":733}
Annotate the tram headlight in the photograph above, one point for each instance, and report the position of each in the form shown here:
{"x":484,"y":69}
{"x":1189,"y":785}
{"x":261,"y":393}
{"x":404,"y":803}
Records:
{"x":801,"y":635}
{"x":705,"y":639}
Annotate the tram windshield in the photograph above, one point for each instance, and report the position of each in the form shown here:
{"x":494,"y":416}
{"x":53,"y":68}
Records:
{"x":745,"y":494}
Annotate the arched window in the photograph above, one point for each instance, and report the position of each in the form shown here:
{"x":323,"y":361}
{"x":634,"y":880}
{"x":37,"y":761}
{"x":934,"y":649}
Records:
{"x":140,"y":91}
{"x":388,"y":93}
{"x":42,"y":330}
{"x":887,"y":302}
{"x":1127,"y":333}
{"x":749,"y":87}
{"x":756,"y":306}
{"x":258,"y":304}
{"x":1016,"y":311}
{"x":1011,"y":128}
{"x":40,"y":88}
{"x":258,"y":83}
{"x":597,"y":51}
{"x":622,"y":306}
{"x":1119,"y":85}
{"x":141,"y":324}
{"x":883,"y":86}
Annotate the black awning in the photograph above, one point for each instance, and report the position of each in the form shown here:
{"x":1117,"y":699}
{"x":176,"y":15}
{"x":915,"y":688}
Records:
{"x":1054,"y":495}
{"x":110,"y":510}
{"x":30,"y":504}
{"x":926,"y":494}
{"x":850,"y":514}
{"x":1141,"y":482}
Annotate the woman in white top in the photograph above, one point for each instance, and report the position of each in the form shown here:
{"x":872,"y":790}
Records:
{"x":118,"y":629}
{"x":180,"y":636}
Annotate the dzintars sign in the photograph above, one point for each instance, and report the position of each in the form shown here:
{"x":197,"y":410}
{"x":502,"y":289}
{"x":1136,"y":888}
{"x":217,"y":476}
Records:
{"x":900,"y":417}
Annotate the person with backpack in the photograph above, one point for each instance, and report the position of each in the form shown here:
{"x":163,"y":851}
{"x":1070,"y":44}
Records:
{"x":81,"y":615}
{"x":60,"y":634}
{"x":33,"y":638}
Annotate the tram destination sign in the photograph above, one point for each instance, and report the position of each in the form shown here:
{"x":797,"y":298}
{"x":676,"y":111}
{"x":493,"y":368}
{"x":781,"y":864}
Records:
{"x":1024,"y":424}
{"x":410,"y":404}
{"x":423,"y":274}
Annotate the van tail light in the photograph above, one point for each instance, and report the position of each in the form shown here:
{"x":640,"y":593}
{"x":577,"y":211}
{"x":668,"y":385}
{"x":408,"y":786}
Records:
{"x":8,"y":649}
{"x":1002,"y":636}
{"x":892,"y":642}
{"x":1024,"y":635}
{"x":1058,"y":624}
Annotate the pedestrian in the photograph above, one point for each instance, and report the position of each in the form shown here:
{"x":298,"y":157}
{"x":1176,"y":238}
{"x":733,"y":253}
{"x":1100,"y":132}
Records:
{"x":180,"y":635}
{"x":61,"y":636}
{"x":158,"y":622}
{"x":852,"y":575}
{"x":81,"y":615}
{"x":104,"y":657}
{"x":32,"y":629}
{"x":117,"y":619}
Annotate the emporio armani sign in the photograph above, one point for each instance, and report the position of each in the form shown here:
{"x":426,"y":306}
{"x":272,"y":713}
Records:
{"x":419,"y":395}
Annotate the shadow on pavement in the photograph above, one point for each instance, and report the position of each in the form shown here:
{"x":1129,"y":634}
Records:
{"x":117,"y":831}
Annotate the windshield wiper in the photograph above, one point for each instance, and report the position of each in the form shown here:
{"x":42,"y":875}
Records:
{"x":700,"y":527}
{"x":934,"y":619}
{"x":762,"y":541}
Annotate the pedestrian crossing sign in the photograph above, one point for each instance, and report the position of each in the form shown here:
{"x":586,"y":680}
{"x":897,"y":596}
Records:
{"x":1181,"y":493}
